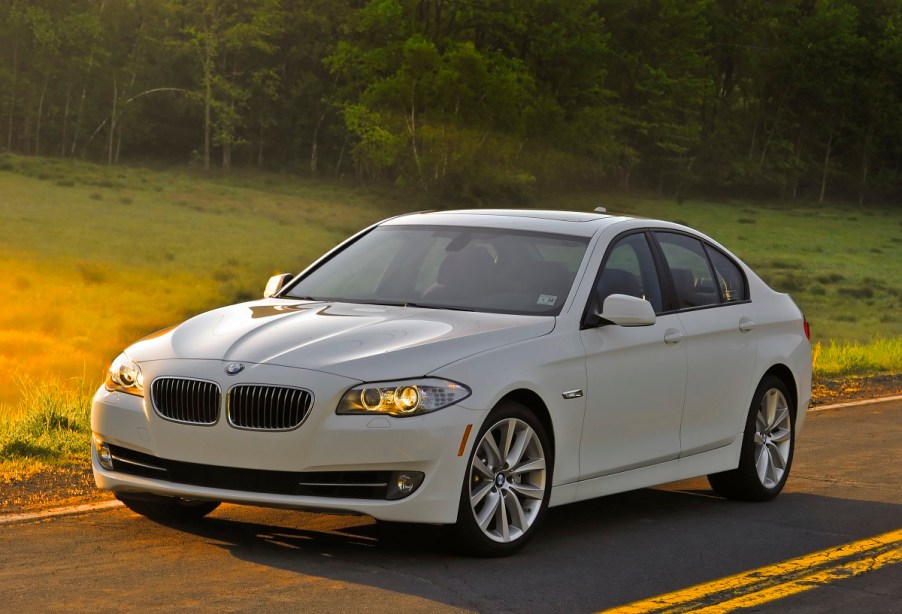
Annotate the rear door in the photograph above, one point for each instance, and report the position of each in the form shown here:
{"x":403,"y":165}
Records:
{"x":721,"y":342}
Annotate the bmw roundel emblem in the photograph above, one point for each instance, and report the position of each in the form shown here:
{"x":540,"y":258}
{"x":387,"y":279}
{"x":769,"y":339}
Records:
{"x":234,"y":369}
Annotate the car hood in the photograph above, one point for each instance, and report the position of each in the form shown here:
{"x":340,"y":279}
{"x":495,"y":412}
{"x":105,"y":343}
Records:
{"x":365,"y":342}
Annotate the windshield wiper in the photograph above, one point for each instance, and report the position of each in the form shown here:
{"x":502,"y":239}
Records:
{"x":448,"y":307}
{"x":410,"y":304}
{"x":307,"y":298}
{"x":383,"y":303}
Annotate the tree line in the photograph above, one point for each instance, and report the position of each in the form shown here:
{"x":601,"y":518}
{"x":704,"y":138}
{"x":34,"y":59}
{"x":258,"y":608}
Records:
{"x":471,"y":98}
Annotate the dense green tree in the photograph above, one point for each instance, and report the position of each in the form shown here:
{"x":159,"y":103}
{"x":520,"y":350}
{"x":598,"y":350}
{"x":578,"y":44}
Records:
{"x":472,"y":98}
{"x":466,"y":97}
{"x":659,"y":72}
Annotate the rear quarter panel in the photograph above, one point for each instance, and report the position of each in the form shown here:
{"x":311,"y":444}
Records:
{"x":782,"y":341}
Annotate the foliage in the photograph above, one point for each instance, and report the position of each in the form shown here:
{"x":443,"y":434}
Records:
{"x":450,"y":100}
{"x":477,"y":99}
{"x":843,"y":359}
{"x":52,"y":425}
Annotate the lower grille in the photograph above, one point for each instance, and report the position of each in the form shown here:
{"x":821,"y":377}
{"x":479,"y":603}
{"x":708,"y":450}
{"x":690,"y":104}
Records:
{"x":345,"y":484}
{"x":334,"y":484}
{"x":268,"y":408}
{"x":186,"y":400}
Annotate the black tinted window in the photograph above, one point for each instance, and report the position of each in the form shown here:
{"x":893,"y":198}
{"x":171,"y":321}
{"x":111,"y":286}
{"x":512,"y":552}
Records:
{"x":630,"y":269}
{"x":689,"y":268}
{"x":730,"y":279}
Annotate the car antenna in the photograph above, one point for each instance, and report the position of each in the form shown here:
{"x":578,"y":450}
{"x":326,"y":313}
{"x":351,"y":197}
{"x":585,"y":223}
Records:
{"x":600,"y":210}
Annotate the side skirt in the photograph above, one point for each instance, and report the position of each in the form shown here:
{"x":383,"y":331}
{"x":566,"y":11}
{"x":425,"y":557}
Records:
{"x":712,"y":461}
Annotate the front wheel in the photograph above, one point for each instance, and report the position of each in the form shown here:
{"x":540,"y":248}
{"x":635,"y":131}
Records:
{"x":767,"y":447}
{"x":167,"y":508}
{"x":507,"y":484}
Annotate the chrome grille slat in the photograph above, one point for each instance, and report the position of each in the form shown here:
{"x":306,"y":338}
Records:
{"x":191,"y":405}
{"x":285,"y":398}
{"x":186,"y":400}
{"x":182,"y":405}
{"x":198,"y":404}
{"x":268,"y":408}
{"x":270,"y":417}
{"x":187,"y":406}
{"x":197,"y":396}
{"x":295,"y":415}
{"x":190,"y":414}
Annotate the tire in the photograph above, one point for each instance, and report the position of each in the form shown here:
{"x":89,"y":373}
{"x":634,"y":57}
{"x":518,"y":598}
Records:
{"x":767,"y":447}
{"x":168,"y":508}
{"x":503,"y":502}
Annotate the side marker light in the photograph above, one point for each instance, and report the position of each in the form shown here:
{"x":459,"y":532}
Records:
{"x":463,"y":440}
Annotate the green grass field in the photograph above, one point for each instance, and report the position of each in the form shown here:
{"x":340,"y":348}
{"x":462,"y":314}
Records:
{"x":96,"y":257}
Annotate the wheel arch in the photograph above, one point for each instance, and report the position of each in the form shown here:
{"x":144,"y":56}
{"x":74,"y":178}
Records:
{"x":536,"y":405}
{"x":476,"y":531}
{"x":784,"y":374}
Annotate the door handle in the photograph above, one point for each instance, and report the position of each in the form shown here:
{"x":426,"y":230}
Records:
{"x":746,"y":325}
{"x":673,"y":335}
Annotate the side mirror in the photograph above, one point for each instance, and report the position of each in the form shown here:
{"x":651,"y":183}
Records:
{"x":626,"y":310}
{"x":276,"y":283}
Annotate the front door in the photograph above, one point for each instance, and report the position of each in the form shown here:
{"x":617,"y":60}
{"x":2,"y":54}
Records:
{"x":636,"y":375}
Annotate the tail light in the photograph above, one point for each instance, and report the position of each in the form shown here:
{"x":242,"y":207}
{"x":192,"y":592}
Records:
{"x":807,"y":328}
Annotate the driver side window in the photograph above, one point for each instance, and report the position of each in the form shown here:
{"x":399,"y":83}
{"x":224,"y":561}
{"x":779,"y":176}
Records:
{"x":630,"y":269}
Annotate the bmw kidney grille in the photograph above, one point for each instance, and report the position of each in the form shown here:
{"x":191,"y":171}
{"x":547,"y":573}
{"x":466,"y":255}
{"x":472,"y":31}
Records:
{"x":268,"y":408}
{"x":186,"y":400}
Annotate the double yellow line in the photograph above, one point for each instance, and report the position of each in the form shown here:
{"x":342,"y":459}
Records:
{"x":773,"y":582}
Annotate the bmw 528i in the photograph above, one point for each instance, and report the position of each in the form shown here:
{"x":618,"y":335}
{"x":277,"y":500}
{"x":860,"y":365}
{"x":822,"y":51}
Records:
{"x":468,"y":368}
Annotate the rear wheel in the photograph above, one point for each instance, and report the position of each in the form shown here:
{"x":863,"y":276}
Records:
{"x":767,"y":447}
{"x":507,"y":484}
{"x":167,"y":508}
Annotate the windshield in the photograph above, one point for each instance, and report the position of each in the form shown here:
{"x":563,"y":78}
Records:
{"x":474,"y":269}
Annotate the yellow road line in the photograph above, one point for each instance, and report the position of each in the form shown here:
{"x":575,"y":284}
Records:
{"x":805,"y":571}
{"x":831,"y":574}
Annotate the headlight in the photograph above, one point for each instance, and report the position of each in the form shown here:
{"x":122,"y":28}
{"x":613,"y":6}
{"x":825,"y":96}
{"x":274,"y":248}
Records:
{"x":403,"y":398}
{"x":125,"y":376}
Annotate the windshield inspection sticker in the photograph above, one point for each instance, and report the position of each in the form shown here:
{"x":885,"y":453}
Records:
{"x":546,"y":299}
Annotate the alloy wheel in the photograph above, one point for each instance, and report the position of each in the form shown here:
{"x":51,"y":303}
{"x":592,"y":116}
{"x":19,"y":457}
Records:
{"x":773,"y":438}
{"x":507,"y":480}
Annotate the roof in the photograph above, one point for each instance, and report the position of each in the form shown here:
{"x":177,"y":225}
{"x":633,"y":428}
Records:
{"x":576,"y":223}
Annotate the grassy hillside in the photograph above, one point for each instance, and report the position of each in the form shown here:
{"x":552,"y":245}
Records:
{"x":96,"y":257}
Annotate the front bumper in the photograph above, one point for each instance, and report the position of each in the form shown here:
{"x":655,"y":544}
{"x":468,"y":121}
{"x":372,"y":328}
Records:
{"x":325,"y":444}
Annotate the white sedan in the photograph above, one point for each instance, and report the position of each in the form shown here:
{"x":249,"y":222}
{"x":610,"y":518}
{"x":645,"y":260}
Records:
{"x":470,"y":368}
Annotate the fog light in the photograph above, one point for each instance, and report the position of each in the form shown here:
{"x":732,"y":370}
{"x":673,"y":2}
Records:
{"x":403,"y":483}
{"x":104,"y":456}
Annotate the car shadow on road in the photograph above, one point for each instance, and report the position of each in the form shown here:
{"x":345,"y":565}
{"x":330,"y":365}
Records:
{"x":588,"y":555}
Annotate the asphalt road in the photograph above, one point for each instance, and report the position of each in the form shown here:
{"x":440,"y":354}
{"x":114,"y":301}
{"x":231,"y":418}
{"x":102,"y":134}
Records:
{"x":846,"y":485}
